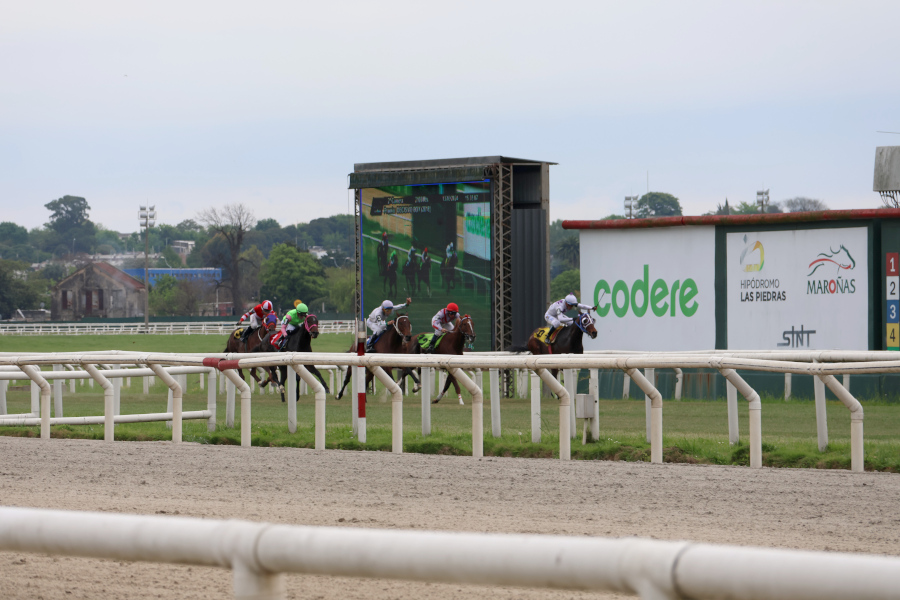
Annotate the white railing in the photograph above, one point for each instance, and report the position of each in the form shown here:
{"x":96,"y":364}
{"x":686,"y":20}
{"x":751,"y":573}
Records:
{"x":186,"y":328}
{"x":260,"y":553}
{"x":539,"y":366}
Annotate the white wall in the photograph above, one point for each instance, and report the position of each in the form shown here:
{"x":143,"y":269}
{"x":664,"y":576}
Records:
{"x":679,"y":264}
{"x":780,"y":283}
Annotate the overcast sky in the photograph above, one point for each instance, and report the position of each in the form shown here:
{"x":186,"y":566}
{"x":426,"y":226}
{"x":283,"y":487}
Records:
{"x":189,"y":104}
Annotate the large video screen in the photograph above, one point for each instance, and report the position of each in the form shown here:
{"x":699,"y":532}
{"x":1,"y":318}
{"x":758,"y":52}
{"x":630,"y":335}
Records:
{"x":431,"y":243}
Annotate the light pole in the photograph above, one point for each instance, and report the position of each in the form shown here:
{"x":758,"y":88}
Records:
{"x":762,"y":200}
{"x":147,"y":219}
{"x":630,"y":205}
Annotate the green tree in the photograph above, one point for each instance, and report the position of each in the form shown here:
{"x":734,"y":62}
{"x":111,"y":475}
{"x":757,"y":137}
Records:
{"x":73,"y":230}
{"x":231,"y":222}
{"x":658,"y":204}
{"x":745,"y":208}
{"x":803,"y":204}
{"x":567,"y":282}
{"x":15,"y":289}
{"x":613,"y":217}
{"x":341,"y":285}
{"x":267,"y":224}
{"x":12,"y":234}
{"x":251,"y":262}
{"x":569,"y":251}
{"x":169,"y":259}
{"x":290,"y":274}
{"x":162,"y":297}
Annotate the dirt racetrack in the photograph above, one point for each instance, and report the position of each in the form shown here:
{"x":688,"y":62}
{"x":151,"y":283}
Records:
{"x":809,"y":509}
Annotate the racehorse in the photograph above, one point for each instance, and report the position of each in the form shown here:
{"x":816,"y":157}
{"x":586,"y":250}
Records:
{"x":448,"y":271}
{"x":382,"y":258}
{"x":568,"y":341}
{"x":235,"y":345}
{"x":300,"y":340}
{"x":390,"y":278}
{"x":389,"y":342}
{"x":410,"y":268}
{"x":451,"y":343}
{"x":424,"y":274}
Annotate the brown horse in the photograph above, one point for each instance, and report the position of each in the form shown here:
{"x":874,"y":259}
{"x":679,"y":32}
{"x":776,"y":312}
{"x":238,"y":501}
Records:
{"x":390,"y":342}
{"x":568,"y":341}
{"x":452,"y":343}
{"x":299,"y":340}
{"x":235,"y":345}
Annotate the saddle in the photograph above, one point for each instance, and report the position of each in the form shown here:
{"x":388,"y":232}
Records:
{"x":428,"y":342}
{"x":545,"y":336}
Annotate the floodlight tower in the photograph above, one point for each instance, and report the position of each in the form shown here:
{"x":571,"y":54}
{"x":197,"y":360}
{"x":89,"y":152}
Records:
{"x":762,"y":200}
{"x":147,"y":219}
{"x":630,"y":205}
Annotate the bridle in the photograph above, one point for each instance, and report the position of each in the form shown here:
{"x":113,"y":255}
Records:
{"x":397,"y":327}
{"x":583,"y":321}
{"x":470,"y":337}
{"x":308,"y":327}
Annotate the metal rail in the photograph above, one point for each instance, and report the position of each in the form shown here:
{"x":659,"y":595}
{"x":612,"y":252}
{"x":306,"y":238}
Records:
{"x":186,"y":328}
{"x":260,"y":553}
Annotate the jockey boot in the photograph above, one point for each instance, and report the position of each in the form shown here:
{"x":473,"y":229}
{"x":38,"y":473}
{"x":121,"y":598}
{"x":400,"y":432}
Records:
{"x":246,"y":334}
{"x":369,"y":347}
{"x":429,"y":348}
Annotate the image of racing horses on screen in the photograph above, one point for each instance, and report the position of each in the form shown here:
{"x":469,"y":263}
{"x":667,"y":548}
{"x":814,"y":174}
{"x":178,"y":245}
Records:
{"x":453,"y":342}
{"x":389,"y":342}
{"x":567,"y":340}
{"x":424,"y":274}
{"x":253,"y":342}
{"x":389,"y":284}
{"x":449,"y":276}
{"x":299,"y":340}
{"x":410,"y":271}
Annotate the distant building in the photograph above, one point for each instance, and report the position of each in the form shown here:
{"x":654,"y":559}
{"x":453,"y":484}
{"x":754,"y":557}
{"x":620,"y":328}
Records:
{"x":97,"y":290}
{"x":318,"y":252}
{"x":200,"y":275}
{"x":183,"y":248}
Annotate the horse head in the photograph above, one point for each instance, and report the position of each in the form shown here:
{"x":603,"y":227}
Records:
{"x":468,"y":329}
{"x":271,"y":321}
{"x":312,"y":325}
{"x":403,"y":327}
{"x":586,"y":324}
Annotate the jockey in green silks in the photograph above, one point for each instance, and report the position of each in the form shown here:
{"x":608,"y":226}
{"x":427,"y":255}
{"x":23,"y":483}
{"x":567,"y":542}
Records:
{"x":292,"y":321}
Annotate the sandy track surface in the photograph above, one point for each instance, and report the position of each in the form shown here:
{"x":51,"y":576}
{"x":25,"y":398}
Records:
{"x":809,"y":509}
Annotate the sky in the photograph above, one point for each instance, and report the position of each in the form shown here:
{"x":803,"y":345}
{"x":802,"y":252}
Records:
{"x":191,"y":105}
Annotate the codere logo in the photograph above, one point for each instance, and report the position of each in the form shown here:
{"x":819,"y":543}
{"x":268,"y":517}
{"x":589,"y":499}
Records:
{"x":662,"y":298}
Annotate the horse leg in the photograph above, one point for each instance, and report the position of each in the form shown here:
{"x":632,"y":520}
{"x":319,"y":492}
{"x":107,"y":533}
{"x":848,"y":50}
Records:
{"x":312,"y":369}
{"x":412,"y":373}
{"x":446,"y":387}
{"x":456,"y":387}
{"x":346,"y":381}
{"x":282,"y":370}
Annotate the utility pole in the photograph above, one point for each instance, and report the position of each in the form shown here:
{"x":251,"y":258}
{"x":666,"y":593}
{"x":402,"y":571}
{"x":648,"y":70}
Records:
{"x":762,"y":200}
{"x":630,"y":205}
{"x":147,"y":219}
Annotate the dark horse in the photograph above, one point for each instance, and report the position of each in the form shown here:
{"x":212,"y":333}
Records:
{"x":410,"y":268}
{"x":424,"y":274}
{"x":451,"y":343}
{"x":391,"y":342}
{"x":568,"y":341}
{"x":448,"y":271}
{"x":382,"y":257}
{"x":256,"y":338}
{"x":390,"y":278}
{"x":300,"y":340}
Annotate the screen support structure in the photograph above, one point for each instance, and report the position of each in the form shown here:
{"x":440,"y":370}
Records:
{"x":502,"y":213}
{"x":357,"y":203}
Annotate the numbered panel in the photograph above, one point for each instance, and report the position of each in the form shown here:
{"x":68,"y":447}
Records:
{"x":890,"y":263}
{"x":893,"y":336}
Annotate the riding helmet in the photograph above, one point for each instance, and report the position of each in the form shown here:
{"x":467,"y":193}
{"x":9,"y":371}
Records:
{"x":452,"y":307}
{"x":301,"y":308}
{"x":266,"y":305}
{"x":571,"y":300}
{"x":387,"y":305}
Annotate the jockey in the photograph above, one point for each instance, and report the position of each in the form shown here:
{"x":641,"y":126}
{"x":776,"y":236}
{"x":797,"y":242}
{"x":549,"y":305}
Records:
{"x":451,"y":250}
{"x":425,"y":256}
{"x":392,"y":260}
{"x":556,"y":316}
{"x":377,"y":320}
{"x":257,"y":315}
{"x":292,"y":320}
{"x":411,"y":255}
{"x":445,"y":321}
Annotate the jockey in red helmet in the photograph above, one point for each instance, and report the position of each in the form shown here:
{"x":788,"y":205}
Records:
{"x":256,"y":315}
{"x":445,"y":321}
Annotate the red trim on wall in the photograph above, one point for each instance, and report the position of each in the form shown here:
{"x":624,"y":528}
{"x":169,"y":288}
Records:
{"x":766,"y":219}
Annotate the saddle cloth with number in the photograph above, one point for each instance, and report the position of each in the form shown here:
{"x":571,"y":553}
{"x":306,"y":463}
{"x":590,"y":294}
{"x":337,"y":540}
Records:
{"x":541,"y":334}
{"x":425,"y":339}
{"x":237,"y":333}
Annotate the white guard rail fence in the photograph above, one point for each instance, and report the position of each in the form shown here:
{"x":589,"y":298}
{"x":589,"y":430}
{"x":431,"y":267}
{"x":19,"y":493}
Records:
{"x":846,"y":363}
{"x":260,"y":553}
{"x":187,"y":328}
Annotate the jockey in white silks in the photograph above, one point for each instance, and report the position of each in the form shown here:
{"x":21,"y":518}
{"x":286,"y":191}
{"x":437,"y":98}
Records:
{"x":378,"y":319}
{"x":556,"y":316}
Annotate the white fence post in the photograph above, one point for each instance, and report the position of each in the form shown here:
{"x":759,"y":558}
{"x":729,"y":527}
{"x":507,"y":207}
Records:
{"x":57,"y":394}
{"x":495,"y":402}
{"x":821,"y":414}
{"x":229,"y":402}
{"x":427,"y":375}
{"x":211,"y":400}
{"x":571,"y":379}
{"x":655,"y":414}
{"x":679,"y":383}
{"x":535,"y":408}
{"x":626,"y":388}
{"x":737,"y":383}
{"x":787,"y":386}
{"x":319,"y":391}
{"x":4,"y":385}
{"x":648,"y":409}
{"x":117,"y":395}
{"x":734,"y":435}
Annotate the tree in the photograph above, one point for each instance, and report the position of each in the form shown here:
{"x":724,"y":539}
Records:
{"x":69,"y":221}
{"x":290,"y":274}
{"x":251,"y":262}
{"x":802,"y":204}
{"x":745,"y":208}
{"x":658,"y":204}
{"x":162,"y":296}
{"x":231,"y":222}
{"x":613,"y":217}
{"x":15,"y":290}
{"x":169,"y":259}
{"x":341,"y":284}
{"x":721,"y":209}
{"x":567,"y":282}
{"x":569,"y":251}
{"x":12,"y":234}
{"x":267,"y":224}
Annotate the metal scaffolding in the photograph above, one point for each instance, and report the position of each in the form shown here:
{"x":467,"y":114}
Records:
{"x":503,"y":199}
